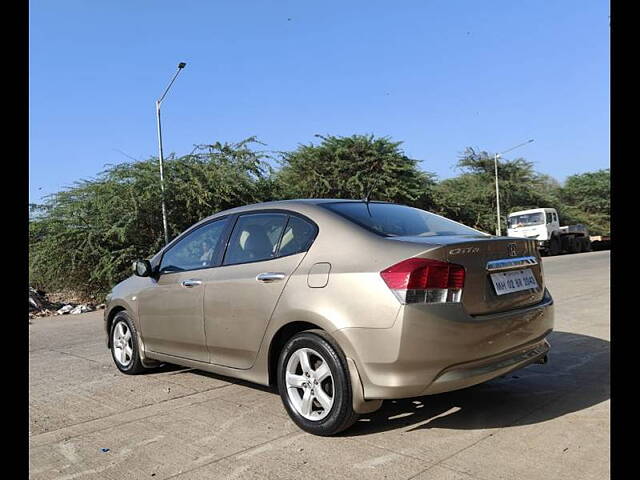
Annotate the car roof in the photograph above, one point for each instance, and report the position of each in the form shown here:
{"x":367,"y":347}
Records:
{"x":293,"y":202}
{"x":284,"y":204}
{"x":298,"y":205}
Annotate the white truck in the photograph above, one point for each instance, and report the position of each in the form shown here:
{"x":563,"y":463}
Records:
{"x":543,"y":225}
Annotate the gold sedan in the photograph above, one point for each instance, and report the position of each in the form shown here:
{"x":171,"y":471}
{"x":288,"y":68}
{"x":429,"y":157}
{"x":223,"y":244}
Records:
{"x":341,"y":304}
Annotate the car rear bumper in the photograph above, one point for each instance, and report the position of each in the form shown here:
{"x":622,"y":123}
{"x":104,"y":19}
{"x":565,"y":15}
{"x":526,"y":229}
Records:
{"x":472,"y":373}
{"x":439,"y":347}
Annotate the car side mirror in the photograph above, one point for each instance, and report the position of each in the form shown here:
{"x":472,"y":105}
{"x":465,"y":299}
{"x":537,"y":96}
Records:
{"x":142,"y":268}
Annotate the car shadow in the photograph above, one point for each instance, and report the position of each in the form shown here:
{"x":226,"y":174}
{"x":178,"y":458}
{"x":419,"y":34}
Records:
{"x":576,"y":377}
{"x":167,"y":368}
{"x":172,"y":369}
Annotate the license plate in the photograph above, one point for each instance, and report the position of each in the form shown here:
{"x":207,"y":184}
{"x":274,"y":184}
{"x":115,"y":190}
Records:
{"x":515,"y":281}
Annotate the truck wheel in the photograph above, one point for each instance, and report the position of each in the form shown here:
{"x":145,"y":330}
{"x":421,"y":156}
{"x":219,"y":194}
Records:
{"x":583,"y":244}
{"x":574,"y":245}
{"x":554,"y":246}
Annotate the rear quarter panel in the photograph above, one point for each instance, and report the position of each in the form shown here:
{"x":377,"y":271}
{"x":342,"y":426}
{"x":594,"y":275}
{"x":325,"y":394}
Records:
{"x":355,"y":294}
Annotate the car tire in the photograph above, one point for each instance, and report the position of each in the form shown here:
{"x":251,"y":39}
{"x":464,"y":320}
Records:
{"x":308,"y":387}
{"x":123,"y":341}
{"x":587,"y":245}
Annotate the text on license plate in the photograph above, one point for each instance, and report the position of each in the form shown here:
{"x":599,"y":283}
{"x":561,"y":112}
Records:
{"x":515,"y":281}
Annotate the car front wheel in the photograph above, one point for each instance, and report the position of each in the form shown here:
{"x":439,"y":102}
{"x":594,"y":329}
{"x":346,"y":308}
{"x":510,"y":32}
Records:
{"x":314,"y":383}
{"x":124,"y":345}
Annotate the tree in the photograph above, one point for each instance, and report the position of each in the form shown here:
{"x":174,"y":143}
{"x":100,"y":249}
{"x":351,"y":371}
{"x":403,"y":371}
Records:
{"x":354,"y":167}
{"x":470,"y":198}
{"x":588,"y":200}
{"x":84,"y":238}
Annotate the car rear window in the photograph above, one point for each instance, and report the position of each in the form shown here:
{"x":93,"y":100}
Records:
{"x":393,"y":220}
{"x":255,"y":237}
{"x":297,"y":237}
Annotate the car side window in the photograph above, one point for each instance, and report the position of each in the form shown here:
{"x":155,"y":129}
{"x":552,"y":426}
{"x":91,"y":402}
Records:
{"x":196,"y":250}
{"x":549,"y":218}
{"x":555,"y":217}
{"x":297,"y":236}
{"x":255,"y":237}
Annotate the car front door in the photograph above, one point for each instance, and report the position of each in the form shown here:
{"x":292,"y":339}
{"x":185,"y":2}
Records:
{"x":264,"y":249}
{"x":170,"y":310}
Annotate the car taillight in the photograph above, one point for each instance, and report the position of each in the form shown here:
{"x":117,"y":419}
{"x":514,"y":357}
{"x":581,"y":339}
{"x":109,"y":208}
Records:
{"x":423,"y":280}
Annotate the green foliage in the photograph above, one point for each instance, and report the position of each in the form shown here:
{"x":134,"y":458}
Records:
{"x":470,"y":198}
{"x":85,"y":238}
{"x":589,"y":191}
{"x":353,"y":167}
{"x":587,"y":197}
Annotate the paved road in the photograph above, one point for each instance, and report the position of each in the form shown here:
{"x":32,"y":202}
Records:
{"x":545,"y":421}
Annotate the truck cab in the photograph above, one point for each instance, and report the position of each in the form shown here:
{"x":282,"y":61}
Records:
{"x":543,"y":226}
{"x":536,"y":224}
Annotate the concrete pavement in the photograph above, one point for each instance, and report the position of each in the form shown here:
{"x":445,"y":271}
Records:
{"x":545,"y":421}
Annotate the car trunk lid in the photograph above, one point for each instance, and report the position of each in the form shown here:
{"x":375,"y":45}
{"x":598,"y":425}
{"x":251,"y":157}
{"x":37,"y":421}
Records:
{"x":482,"y":257}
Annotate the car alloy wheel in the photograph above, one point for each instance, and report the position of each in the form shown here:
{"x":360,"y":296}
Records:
{"x":309,"y":384}
{"x":122,"y":342}
{"x":314,"y":383}
{"x":124,"y":345}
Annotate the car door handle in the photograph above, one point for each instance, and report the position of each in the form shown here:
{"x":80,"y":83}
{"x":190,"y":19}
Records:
{"x":269,"y":277}
{"x":191,"y":283}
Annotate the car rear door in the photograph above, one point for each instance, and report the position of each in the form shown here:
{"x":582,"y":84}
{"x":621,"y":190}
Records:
{"x":264,"y":249}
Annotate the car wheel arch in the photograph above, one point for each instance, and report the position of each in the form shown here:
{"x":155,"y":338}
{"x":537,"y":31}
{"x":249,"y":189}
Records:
{"x":279,"y":340}
{"x":117,"y":308}
{"x":110,"y":317}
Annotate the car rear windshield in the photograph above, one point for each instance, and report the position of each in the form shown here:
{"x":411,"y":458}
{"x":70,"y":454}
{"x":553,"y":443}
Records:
{"x":393,"y":220}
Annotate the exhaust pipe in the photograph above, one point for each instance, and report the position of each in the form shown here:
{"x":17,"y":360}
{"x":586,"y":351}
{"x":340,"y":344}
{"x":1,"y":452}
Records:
{"x":542,"y":360}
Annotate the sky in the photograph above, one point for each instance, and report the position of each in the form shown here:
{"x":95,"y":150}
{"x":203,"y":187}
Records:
{"x":437,"y":75}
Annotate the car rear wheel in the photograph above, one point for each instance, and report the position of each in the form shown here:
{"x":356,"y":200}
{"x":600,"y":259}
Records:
{"x":314,"y":383}
{"x":124,"y":345}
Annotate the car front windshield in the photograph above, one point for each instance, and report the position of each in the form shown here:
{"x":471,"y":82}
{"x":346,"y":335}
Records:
{"x":526,"y":219}
{"x":393,"y":220}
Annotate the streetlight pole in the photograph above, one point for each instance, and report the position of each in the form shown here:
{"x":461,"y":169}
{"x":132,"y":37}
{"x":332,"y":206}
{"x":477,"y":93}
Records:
{"x":181,"y":65}
{"x":495,"y":162}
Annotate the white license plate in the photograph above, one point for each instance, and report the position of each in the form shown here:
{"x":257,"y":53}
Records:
{"x":515,"y":281}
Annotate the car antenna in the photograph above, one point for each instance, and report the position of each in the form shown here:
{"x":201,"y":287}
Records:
{"x":367,"y":198}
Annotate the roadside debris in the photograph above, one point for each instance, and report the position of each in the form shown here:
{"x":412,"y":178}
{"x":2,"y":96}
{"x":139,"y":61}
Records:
{"x":41,"y":306}
{"x":81,"y":309}
{"x":65,"y":309}
{"x":75,"y":309}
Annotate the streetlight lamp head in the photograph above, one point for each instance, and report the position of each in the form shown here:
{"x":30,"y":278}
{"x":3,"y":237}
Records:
{"x":182,"y":65}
